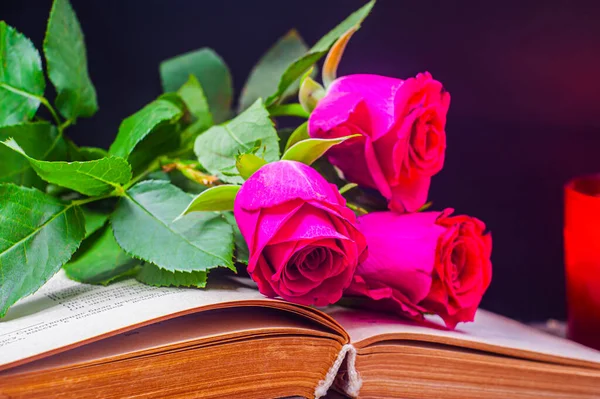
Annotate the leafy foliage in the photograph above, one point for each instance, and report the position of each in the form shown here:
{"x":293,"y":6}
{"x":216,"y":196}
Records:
{"x":354,"y":20}
{"x":297,"y":68}
{"x":91,"y":153}
{"x":100,"y":260}
{"x":40,"y":140}
{"x":67,"y":63}
{"x":89,"y":177}
{"x":106,"y":215}
{"x":309,"y":150}
{"x":264,"y":78}
{"x":139,"y":125}
{"x":219,"y":198}
{"x":193,"y":96}
{"x":38,"y":234}
{"x":94,"y":221}
{"x":217,"y":147}
{"x":247,"y":164}
{"x":21,"y":77}
{"x":299,"y":134}
{"x":196,"y":242}
{"x":242,"y":253}
{"x":153,"y":275}
{"x":211,"y":72}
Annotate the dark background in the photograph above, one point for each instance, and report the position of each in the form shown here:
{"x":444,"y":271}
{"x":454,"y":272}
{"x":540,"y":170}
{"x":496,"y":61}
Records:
{"x":523,"y":78}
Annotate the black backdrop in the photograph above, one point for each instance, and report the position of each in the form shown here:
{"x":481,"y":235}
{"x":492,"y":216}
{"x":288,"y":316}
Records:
{"x":523,"y":76}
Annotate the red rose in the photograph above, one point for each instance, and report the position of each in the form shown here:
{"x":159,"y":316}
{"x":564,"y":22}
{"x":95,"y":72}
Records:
{"x":304,"y":245}
{"x":402,"y":123}
{"x":426,"y":262}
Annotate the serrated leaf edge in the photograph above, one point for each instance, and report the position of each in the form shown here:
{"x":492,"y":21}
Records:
{"x":232,"y":246}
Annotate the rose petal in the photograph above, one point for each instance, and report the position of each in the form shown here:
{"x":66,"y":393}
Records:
{"x":392,"y":152}
{"x":349,"y":157}
{"x":378,"y":93}
{"x":376,"y":171}
{"x":402,"y":251}
{"x":330,"y":291}
{"x":267,"y":225}
{"x":341,"y":213}
{"x":280,"y":182}
{"x":306,"y":223}
{"x":257,"y":271}
{"x":409,"y":194}
{"x":335,"y":110}
{"x":384,"y":298}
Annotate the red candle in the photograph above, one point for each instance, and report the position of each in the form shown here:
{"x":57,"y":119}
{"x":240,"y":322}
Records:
{"x":582,"y":258}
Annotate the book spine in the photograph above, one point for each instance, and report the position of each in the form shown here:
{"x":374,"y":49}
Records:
{"x":351,"y":383}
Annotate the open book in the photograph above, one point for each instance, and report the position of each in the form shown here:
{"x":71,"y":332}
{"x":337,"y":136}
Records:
{"x":72,"y":340}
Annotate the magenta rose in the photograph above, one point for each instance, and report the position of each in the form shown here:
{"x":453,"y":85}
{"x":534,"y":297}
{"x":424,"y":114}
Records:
{"x":304,"y":245}
{"x":402,"y":124}
{"x":426,"y":262}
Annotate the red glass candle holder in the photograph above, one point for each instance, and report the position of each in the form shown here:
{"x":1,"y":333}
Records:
{"x":582,"y":259}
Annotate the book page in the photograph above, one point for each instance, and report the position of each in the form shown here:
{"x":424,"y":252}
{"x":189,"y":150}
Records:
{"x":64,"y":313}
{"x":206,"y":328}
{"x":489,"y":332}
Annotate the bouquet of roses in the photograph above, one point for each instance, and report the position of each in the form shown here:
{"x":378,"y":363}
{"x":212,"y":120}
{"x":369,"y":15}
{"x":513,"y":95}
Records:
{"x":333,"y":208}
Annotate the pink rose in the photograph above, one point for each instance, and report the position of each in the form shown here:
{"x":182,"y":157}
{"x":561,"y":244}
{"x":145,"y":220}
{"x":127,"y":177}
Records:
{"x":403,"y":139}
{"x":304,"y":245}
{"x":426,"y":262}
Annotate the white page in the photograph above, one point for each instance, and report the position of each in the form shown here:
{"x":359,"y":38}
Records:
{"x":64,"y":312}
{"x":488,"y":332}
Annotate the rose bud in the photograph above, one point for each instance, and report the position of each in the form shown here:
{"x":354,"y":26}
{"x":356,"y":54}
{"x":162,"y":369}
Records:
{"x":304,"y":245}
{"x":402,"y":123}
{"x":426,"y":262}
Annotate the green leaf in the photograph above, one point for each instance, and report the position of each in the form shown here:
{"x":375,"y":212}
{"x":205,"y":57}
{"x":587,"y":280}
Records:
{"x":164,"y":139}
{"x":292,"y":74}
{"x":309,"y":150}
{"x":90,"y":177}
{"x":93,"y":221}
{"x":92,"y":153}
{"x":100,"y":260}
{"x":193,"y":96}
{"x":158,"y":175}
{"x":153,"y":275}
{"x":144,"y":227}
{"x":40,"y":140}
{"x":76,"y":153}
{"x":242,"y":253}
{"x":66,"y":60}
{"x":56,"y":191}
{"x":310,"y":94}
{"x":195,"y":100}
{"x":296,"y":69}
{"x":73,"y":151}
{"x":301,"y":133}
{"x":22,"y":80}
{"x":347,"y":187}
{"x":218,"y":146}
{"x":247,"y":164}
{"x":218,"y":198}
{"x":289,"y":110}
{"x":139,"y":125}
{"x":178,"y":179}
{"x":354,"y":20}
{"x":211,"y":72}
{"x":284,"y":134}
{"x":38,"y":234}
{"x":174,"y":98}
{"x":264,"y":78}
